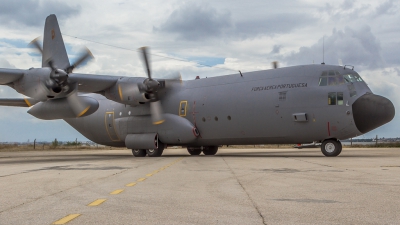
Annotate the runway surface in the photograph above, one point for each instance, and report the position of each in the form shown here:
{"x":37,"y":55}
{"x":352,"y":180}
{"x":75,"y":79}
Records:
{"x":237,"y":186}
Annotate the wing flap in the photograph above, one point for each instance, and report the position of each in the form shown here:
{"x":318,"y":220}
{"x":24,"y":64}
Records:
{"x":18,"y":102}
{"x":10,"y":75}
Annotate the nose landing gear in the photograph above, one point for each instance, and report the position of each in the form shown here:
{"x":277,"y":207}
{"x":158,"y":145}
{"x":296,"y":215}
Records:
{"x":331,"y":147}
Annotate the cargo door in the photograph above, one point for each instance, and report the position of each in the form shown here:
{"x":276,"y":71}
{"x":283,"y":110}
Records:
{"x":110,"y":126}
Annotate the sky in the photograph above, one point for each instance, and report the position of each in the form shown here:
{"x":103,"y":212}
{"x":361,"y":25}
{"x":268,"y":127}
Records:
{"x":226,"y":35}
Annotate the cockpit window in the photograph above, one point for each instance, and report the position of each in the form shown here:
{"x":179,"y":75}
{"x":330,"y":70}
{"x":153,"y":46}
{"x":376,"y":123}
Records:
{"x":322,"y":81}
{"x":332,"y":81}
{"x":333,"y":77}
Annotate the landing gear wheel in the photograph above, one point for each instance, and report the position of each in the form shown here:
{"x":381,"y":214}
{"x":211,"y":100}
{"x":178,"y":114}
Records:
{"x":157,"y":152}
{"x":210,"y":150}
{"x":194,"y":151}
{"x":139,"y":152}
{"x":331,"y":147}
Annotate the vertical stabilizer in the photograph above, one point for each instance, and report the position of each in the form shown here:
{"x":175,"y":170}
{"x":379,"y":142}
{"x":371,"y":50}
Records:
{"x":53,"y":44}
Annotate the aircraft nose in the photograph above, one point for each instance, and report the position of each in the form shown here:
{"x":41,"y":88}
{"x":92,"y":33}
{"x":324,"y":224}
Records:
{"x":371,"y":111}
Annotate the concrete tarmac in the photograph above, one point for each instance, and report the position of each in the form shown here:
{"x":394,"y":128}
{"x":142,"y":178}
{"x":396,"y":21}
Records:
{"x":237,"y":186}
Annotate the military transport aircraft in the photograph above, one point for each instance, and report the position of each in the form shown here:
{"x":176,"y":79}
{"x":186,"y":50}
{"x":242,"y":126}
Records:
{"x":293,"y":105}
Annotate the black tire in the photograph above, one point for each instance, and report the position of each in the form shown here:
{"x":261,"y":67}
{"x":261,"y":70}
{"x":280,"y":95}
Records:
{"x":194,"y":151}
{"x":156,"y":152}
{"x":331,"y":147}
{"x":210,"y":150}
{"x":139,"y":152}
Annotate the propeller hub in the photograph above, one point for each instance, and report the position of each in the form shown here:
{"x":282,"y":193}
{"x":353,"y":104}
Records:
{"x":59,"y":74}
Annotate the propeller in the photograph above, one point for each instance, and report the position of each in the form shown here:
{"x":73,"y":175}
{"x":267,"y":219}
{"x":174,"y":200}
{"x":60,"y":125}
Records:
{"x":150,"y":87}
{"x":85,"y":55}
{"x":78,"y":107}
{"x":59,"y":77}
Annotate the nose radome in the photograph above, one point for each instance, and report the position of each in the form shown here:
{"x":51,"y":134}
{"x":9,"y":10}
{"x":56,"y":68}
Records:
{"x":371,"y":111}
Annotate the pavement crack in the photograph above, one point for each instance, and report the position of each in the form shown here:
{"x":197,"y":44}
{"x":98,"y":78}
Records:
{"x":319,"y":164}
{"x":248,"y":195}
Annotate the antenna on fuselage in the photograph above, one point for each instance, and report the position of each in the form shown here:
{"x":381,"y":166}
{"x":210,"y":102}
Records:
{"x":275,"y":64}
{"x":323,"y":50}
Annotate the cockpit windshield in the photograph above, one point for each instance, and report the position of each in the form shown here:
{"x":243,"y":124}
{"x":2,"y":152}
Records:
{"x":333,"y":77}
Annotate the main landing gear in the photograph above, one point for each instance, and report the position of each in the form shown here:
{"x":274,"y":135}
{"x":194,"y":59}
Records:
{"x":149,"y":152}
{"x":331,"y":147}
{"x":207,"y":150}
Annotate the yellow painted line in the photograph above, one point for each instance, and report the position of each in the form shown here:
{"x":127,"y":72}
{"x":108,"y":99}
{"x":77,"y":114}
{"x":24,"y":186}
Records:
{"x":97,"y":202}
{"x":155,"y":171}
{"x":120,"y":92}
{"x":141,"y":179}
{"x":84,"y":111}
{"x":118,"y":191}
{"x":67,"y":219}
{"x":27,"y":102}
{"x":131,"y":184}
{"x":149,"y":175}
{"x":158,"y":122}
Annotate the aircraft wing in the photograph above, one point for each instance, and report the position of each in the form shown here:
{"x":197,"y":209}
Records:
{"x":10,"y":75}
{"x":19,"y":102}
{"x":91,"y":83}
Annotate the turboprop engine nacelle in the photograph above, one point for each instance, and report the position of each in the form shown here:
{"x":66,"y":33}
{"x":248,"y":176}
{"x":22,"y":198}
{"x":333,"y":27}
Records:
{"x":63,"y":108}
{"x":127,"y":91}
{"x":36,"y":84}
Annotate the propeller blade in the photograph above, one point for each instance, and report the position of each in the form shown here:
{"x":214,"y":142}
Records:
{"x":156,"y":113}
{"x":176,"y":78}
{"x":85,"y":56}
{"x":146,"y":61}
{"x":172,"y":77}
{"x":78,"y":107}
{"x":35,"y":43}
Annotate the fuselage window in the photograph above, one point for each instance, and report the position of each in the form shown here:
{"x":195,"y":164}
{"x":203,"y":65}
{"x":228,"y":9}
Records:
{"x":282,"y":96}
{"x":335,"y":98}
{"x":340,"y":98}
{"x":332,"y":98}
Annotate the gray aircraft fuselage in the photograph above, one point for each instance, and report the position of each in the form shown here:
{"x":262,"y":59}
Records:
{"x":285,"y":105}
{"x":296,"y":105}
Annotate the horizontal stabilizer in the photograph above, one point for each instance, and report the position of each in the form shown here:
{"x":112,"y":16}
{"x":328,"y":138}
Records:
{"x":18,"y":102}
{"x":10,"y":75}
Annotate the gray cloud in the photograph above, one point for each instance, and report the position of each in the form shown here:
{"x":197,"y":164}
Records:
{"x":276,"y":49}
{"x":272,"y":24}
{"x":354,"y":46}
{"x":198,"y":22}
{"x":194,"y":22}
{"x":387,"y":7}
{"x":348,"y":4}
{"x":33,"y":12}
